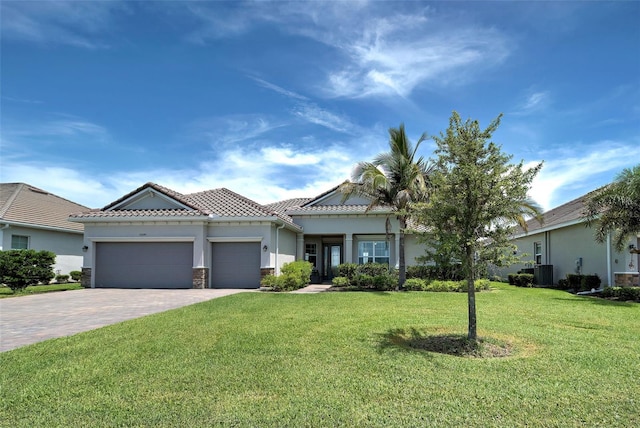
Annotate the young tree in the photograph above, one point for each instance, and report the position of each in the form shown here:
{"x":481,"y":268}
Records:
{"x":395,"y":179}
{"x":477,"y":197}
{"x":616,"y":208}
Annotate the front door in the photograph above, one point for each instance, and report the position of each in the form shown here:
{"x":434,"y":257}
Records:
{"x":332,"y":259}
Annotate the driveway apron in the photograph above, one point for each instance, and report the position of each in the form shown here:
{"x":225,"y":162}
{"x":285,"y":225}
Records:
{"x":30,"y":319}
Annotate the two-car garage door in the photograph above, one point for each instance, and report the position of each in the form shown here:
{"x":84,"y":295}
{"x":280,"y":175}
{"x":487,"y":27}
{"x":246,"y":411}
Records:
{"x":144,"y":264}
{"x":170,"y":265}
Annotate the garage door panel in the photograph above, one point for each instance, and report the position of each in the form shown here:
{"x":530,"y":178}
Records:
{"x":144,"y":264}
{"x":235,"y":265}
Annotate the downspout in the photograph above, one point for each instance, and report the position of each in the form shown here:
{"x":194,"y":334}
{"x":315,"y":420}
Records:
{"x":278,"y":247}
{"x":610,"y":281}
{"x":2,"y":229}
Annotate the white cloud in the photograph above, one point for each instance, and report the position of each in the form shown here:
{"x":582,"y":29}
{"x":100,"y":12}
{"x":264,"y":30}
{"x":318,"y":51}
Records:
{"x":319,"y":116}
{"x":579,"y":169}
{"x":286,"y":156}
{"x":279,"y":89}
{"x":384,"y":52}
{"x":75,"y":23}
{"x":534,"y":102}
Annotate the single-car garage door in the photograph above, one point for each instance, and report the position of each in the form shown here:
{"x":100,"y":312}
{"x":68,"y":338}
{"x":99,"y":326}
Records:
{"x":235,"y":264}
{"x":144,"y":264}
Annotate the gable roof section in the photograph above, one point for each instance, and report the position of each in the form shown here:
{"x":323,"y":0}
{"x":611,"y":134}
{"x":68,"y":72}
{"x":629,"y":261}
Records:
{"x":283,"y":206}
{"x":314,"y":206}
{"x":217,"y":203}
{"x":22,"y":203}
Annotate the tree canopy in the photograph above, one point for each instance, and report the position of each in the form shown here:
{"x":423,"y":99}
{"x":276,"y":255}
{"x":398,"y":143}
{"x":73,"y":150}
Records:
{"x":615,"y":208}
{"x":394,"y":179}
{"x":478,"y":197}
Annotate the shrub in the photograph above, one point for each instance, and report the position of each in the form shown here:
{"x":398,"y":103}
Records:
{"x":75,"y":275}
{"x":62,"y":279}
{"x":590,"y":282}
{"x":444,"y":286}
{"x":363,"y":280}
{"x":563,"y":284}
{"x":269,"y":281}
{"x":574,"y":281}
{"x":482,"y":284}
{"x":415,"y":284}
{"x":512,"y":278}
{"x":373,"y":269}
{"x":347,"y":270}
{"x":340,"y":281}
{"x":20,"y":268}
{"x":419,"y":271}
{"x":524,"y":280}
{"x":293,"y":276}
{"x":622,"y":293}
{"x":385,"y":282}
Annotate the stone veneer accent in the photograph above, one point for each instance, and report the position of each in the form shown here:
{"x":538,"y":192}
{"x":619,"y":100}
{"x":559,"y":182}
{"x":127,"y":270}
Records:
{"x":266,"y":271}
{"x":200,"y":277}
{"x":85,"y":278}
{"x":627,"y":279}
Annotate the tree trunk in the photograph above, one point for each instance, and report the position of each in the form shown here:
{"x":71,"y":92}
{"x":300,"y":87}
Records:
{"x":402,"y":275}
{"x":471,"y":294}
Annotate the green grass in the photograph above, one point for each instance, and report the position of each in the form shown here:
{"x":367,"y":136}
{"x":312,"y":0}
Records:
{"x":337,"y":359}
{"x":37,"y":289}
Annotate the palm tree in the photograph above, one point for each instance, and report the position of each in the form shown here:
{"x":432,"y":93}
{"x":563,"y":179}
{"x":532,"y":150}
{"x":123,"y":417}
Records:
{"x":616,"y":208}
{"x":395,"y":179}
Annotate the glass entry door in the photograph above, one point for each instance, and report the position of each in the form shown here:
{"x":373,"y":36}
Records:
{"x":332,"y":258}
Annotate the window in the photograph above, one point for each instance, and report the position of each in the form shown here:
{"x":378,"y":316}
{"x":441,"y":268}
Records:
{"x":311,"y":253}
{"x":373,"y":252}
{"x":537,"y":252}
{"x":19,"y":242}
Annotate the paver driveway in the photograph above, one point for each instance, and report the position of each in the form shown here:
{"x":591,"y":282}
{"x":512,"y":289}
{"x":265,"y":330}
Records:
{"x":31,"y":319}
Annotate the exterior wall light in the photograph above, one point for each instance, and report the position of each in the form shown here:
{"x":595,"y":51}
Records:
{"x":85,"y":249}
{"x":265,"y":248}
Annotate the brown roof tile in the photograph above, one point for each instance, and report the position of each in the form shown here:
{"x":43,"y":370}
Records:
{"x":23,"y":203}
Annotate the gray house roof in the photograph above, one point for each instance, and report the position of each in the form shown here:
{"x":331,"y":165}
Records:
{"x":221,"y":203}
{"x":572,"y":212}
{"x":27,"y":205}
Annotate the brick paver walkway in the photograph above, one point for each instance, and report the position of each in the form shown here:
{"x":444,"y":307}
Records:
{"x":30,"y":319}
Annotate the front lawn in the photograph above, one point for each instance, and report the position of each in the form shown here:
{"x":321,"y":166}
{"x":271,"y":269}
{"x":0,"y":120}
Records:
{"x":337,"y":359}
{"x":37,"y":289}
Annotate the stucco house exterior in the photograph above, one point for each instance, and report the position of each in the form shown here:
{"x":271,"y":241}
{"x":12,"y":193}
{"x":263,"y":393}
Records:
{"x":155,"y":237}
{"x":563,"y":244}
{"x":32,"y":218}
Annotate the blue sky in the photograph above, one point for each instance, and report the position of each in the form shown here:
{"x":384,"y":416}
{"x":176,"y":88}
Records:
{"x":276,"y":100}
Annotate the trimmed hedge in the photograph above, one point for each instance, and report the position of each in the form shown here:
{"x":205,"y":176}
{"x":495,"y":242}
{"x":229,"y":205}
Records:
{"x":293,"y":276}
{"x":521,"y":279}
{"x":622,"y":293}
{"x":417,"y":284}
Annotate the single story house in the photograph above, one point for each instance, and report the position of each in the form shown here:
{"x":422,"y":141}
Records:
{"x":563,"y":244}
{"x":32,"y":218}
{"x":154,"y":237}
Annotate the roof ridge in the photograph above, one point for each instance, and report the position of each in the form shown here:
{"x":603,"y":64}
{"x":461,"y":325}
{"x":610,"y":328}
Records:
{"x":11,"y":198}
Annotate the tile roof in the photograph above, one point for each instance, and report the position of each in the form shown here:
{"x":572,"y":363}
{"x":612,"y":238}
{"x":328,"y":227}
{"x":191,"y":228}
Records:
{"x":283,"y":206}
{"x":23,"y":203}
{"x":216,"y":202}
{"x":344,"y":209}
{"x":570,"y":212}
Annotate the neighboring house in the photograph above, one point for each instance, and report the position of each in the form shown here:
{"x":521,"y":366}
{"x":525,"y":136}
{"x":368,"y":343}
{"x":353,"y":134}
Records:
{"x":563,"y":244}
{"x":155,"y":237}
{"x":32,"y":218}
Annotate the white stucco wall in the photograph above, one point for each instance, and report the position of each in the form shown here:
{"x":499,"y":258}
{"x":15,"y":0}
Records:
{"x":66,"y":245}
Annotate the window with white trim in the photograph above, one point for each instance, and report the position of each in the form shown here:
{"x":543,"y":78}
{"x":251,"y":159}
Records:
{"x":537,"y":252}
{"x":373,"y":252}
{"x":19,"y":242}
